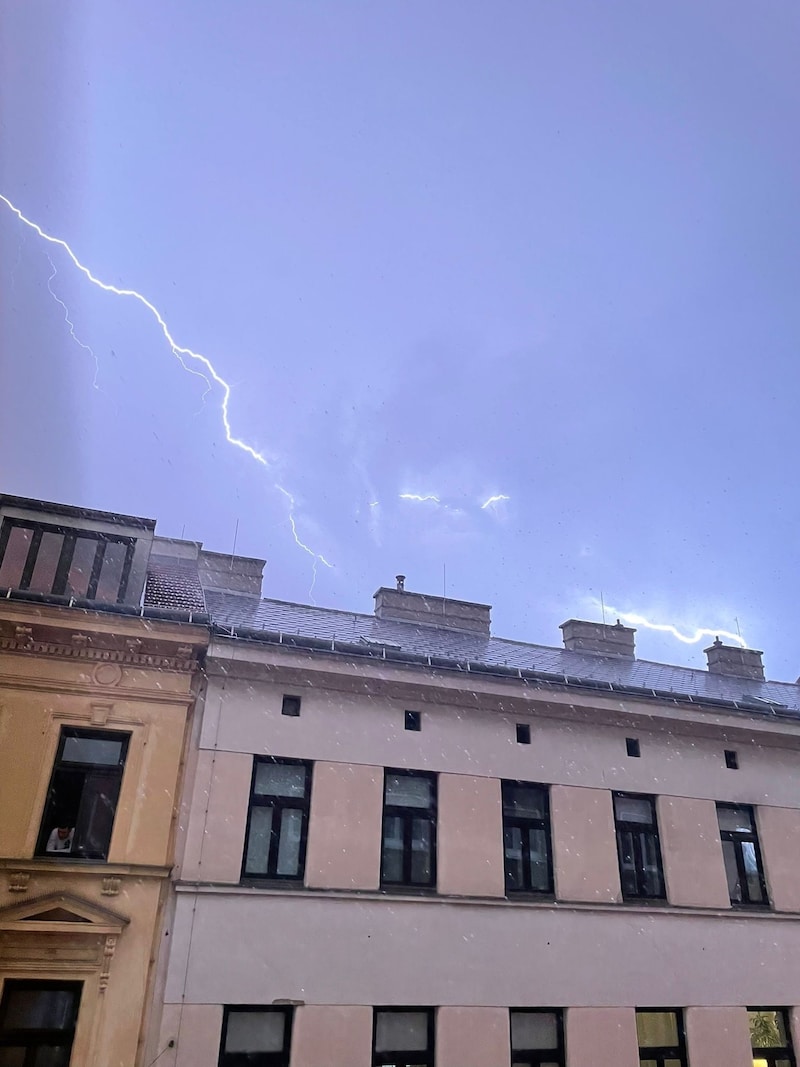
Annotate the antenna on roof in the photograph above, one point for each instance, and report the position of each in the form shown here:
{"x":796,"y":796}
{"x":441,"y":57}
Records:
{"x":233,"y":550}
{"x":603,"y":607}
{"x":738,"y":630}
{"x":444,"y":581}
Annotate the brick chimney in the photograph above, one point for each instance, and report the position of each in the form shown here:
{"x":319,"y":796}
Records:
{"x":231,"y":574}
{"x":398,"y":605}
{"x":734,"y":661}
{"x":598,"y":638}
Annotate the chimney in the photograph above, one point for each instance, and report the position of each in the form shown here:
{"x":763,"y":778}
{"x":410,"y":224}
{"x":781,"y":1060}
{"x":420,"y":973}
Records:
{"x":398,"y":605}
{"x":598,"y":638}
{"x":231,"y":574}
{"x":734,"y":661}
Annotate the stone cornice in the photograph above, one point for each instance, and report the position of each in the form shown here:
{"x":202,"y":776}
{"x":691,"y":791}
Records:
{"x":27,"y":645}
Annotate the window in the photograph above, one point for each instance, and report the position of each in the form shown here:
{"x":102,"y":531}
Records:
{"x":413,"y":721}
{"x":408,"y":852}
{"x":731,"y":760}
{"x":661,"y":1038}
{"x":85,"y":564}
{"x":523,"y":733}
{"x":526,"y":838}
{"x":256,"y":1037}
{"x":403,"y":1037}
{"x":37,"y":1022}
{"x":537,"y":1039}
{"x":632,"y":747}
{"x":278,"y":821}
{"x":291,"y":706}
{"x":638,"y":847}
{"x":769,"y":1037}
{"x":737,"y":829}
{"x":82,"y":798}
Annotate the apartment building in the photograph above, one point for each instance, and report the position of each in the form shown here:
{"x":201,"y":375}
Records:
{"x":405,"y":841}
{"x":96,"y":694}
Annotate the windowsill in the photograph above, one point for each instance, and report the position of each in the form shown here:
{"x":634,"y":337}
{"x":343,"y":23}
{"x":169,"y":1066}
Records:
{"x":74,"y":864}
{"x":740,"y":906}
{"x":645,"y":902}
{"x":409,"y":890}
{"x":528,"y":896}
{"x":255,"y":882}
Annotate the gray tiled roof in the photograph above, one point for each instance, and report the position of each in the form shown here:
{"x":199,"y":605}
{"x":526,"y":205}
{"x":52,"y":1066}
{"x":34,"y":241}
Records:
{"x":242,"y":613}
{"x":173,"y":584}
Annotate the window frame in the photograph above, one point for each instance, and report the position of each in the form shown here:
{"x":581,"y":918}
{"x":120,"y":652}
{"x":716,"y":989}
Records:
{"x":118,"y":769}
{"x":662,"y":1053}
{"x":737,"y":838}
{"x":622,"y":826}
{"x":408,"y":813}
{"x":70,"y":535}
{"x":24,"y":1038}
{"x":528,"y":822}
{"x":775,"y":1053}
{"x":265,"y":800}
{"x":266,"y":1059}
{"x":538,"y":1057}
{"x":426,"y":1058}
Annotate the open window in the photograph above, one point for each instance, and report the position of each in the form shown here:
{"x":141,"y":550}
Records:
{"x":82,"y":798}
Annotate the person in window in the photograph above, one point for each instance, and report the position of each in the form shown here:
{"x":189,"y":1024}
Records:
{"x":60,"y":839}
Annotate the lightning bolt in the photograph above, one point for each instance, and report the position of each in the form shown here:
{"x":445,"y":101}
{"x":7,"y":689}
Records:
{"x":70,"y":323}
{"x":494,"y":500}
{"x":422,"y":499}
{"x":687,"y":639}
{"x":208,"y":372}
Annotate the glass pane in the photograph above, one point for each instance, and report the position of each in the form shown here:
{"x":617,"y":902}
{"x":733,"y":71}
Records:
{"x":767,"y":1029}
{"x":44,"y":570}
{"x":627,"y":863}
{"x":735,"y":819}
{"x":401,"y":1031}
{"x":111,"y":573}
{"x":39,"y":1009}
{"x":540,"y":872}
{"x":255,"y":1031}
{"x":754,"y":890}
{"x":52,"y":1056}
{"x":106,"y":753}
{"x":732,"y":871}
{"x":633,"y":809}
{"x":19,"y":541}
{"x":289,"y":842}
{"x":648,"y":1063}
{"x":280,"y":780}
{"x":258,"y":841}
{"x":406,"y":791}
{"x":650,"y":859}
{"x":12,"y":1057}
{"x":672,"y":1063}
{"x":533,"y":1030}
{"x":513,"y":847}
{"x":656,"y":1028}
{"x":392,"y":858}
{"x":421,"y":852}
{"x":96,"y":814}
{"x":524,"y":800}
{"x":80,"y":570}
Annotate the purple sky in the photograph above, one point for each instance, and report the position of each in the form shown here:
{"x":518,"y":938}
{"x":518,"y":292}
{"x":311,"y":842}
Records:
{"x":546,"y":250}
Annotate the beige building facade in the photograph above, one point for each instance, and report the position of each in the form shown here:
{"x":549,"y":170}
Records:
{"x":96,"y":695}
{"x":406,"y":842}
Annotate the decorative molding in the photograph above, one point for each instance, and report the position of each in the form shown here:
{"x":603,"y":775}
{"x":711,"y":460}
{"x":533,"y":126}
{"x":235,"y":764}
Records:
{"x":107,"y":674}
{"x":80,"y":640}
{"x":21,"y":643}
{"x":108,"y":955}
{"x":110,"y":887}
{"x":101,"y":713}
{"x":18,"y":881}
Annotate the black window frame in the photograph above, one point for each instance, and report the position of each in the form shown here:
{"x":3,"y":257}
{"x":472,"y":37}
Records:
{"x":538,"y":1057}
{"x":662,"y":1053}
{"x":257,"y":1059}
{"x":731,"y":759}
{"x":523,"y":733}
{"x":738,"y":838}
{"x":632,"y":747}
{"x":412,"y":720}
{"x":773,"y":1054}
{"x":409,"y":813}
{"x":27,"y":1038}
{"x":291,"y":705}
{"x":621,"y":827}
{"x":525,"y":823}
{"x":265,"y":800}
{"x":71,"y":534}
{"x":418,"y":1058}
{"x":77,"y":852}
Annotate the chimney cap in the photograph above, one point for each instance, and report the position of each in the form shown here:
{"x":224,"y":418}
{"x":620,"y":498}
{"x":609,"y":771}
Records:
{"x":401,"y":582}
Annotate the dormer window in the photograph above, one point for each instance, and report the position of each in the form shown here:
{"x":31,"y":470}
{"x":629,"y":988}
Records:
{"x":48,"y":558}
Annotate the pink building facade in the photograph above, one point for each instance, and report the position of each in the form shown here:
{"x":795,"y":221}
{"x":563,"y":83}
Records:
{"x":407,"y":842}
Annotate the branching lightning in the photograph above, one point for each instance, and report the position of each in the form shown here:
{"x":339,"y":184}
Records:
{"x":687,"y":639}
{"x":70,"y":323}
{"x":208,"y":373}
{"x":494,"y":500}
{"x":430,"y":498}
